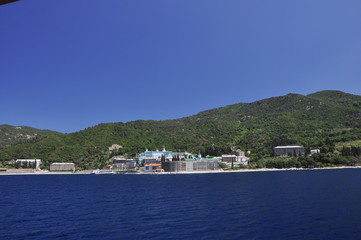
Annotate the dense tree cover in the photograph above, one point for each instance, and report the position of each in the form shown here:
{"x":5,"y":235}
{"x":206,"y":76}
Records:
{"x":11,"y":135}
{"x":351,"y":151}
{"x":321,"y":120}
{"x":316,"y":160}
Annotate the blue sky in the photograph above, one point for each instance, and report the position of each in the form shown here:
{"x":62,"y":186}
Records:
{"x":67,"y":65}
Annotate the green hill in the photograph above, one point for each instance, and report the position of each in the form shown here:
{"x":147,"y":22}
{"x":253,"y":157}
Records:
{"x":317,"y":120}
{"x":11,"y":135}
{"x":339,"y":98}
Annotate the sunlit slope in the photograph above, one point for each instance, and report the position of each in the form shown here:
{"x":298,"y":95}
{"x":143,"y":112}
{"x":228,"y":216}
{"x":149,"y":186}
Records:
{"x":257,"y":126}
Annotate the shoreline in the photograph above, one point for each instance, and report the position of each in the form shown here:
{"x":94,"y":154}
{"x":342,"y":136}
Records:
{"x":261,"y":170}
{"x":15,"y":172}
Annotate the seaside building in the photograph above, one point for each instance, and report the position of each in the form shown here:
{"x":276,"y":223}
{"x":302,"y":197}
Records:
{"x":153,"y":168}
{"x":235,"y":160}
{"x":170,"y":161}
{"x":150,"y":160}
{"x":192,"y":165}
{"x":28,"y":163}
{"x":148,"y":157}
{"x":122,"y":163}
{"x":62,"y":167}
{"x":238,"y":159}
{"x":289,"y":151}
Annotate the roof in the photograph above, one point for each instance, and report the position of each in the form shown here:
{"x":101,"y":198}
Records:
{"x":167,"y":152}
{"x":202,"y":159}
{"x":65,"y":163}
{"x":154,"y":152}
{"x":153,"y":165}
{"x":28,"y":160}
{"x":288,"y":147}
{"x":182,"y":153}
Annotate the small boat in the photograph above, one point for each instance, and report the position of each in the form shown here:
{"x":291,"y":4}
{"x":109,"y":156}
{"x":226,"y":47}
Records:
{"x":100,"y":172}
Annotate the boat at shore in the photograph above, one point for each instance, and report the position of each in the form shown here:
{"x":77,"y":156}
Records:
{"x":102,"y":172}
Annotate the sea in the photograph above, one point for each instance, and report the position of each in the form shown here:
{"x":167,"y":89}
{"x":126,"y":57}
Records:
{"x":300,"y":204}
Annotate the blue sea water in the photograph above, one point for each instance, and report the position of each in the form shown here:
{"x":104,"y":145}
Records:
{"x":313,"y":204}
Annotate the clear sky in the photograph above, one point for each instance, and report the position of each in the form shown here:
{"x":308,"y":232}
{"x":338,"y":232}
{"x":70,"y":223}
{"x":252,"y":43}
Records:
{"x":70,"y":64}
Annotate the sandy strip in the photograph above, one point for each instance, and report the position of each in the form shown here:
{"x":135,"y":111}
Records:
{"x":260,"y":170}
{"x":41,"y":172}
{"x":86,"y":172}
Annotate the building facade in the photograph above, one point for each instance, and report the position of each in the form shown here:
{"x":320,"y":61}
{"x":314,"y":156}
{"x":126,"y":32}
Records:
{"x":148,"y":157}
{"x":123,"y":163}
{"x":68,"y":167}
{"x":192,"y":165}
{"x":28,"y":163}
{"x":289,"y":151}
{"x":314,"y":151}
{"x":235,"y":160}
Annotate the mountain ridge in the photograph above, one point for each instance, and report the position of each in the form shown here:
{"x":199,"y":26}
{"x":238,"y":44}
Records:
{"x":258,"y":126}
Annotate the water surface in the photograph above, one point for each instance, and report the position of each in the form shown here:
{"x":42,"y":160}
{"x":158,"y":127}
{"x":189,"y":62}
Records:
{"x":317,"y":204}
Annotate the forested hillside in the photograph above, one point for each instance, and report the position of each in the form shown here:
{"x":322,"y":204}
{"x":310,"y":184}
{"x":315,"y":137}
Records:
{"x":11,"y":135}
{"x":319,"y":120}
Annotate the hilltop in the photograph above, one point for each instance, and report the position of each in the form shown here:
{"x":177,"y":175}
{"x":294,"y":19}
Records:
{"x":316,"y":120}
{"x":10,"y":135}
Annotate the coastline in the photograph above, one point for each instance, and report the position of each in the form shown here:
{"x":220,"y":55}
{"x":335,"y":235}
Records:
{"x":15,"y":172}
{"x":261,"y":170}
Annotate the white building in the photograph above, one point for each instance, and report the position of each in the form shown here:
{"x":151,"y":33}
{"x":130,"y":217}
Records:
{"x":28,"y":163}
{"x":62,"y":167}
{"x":123,"y":163}
{"x":148,"y":157}
{"x":235,"y":160}
{"x":314,"y":151}
{"x":193,"y":165}
{"x":289,"y":151}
